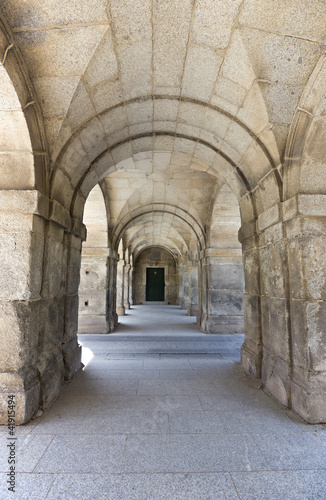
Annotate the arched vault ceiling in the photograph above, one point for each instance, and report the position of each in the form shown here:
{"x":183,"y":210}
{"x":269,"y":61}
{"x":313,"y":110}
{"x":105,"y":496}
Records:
{"x":160,"y":224}
{"x":251,"y":58}
{"x":165,"y":101}
{"x":168,"y":179}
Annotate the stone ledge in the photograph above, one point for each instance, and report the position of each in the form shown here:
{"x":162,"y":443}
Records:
{"x":307,"y":205}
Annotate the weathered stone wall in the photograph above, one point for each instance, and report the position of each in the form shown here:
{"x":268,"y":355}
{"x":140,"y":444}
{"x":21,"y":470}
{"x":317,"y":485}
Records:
{"x":139,"y":276}
{"x":284,"y":303}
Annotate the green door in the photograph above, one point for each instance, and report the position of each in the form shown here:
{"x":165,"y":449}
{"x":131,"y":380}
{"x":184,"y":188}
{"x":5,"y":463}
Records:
{"x":155,"y":284}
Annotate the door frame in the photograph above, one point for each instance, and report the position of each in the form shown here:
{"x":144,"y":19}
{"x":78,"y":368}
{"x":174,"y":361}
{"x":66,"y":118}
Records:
{"x":164,"y":284}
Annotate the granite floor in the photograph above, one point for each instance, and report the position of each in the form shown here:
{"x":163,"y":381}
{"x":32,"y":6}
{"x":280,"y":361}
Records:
{"x":163,"y":412}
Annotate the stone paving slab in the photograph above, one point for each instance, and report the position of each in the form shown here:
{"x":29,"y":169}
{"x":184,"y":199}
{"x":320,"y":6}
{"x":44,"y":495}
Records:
{"x":294,"y":451}
{"x":106,"y":422}
{"x":105,"y":386}
{"x":236,"y":402}
{"x":84,"y":453}
{"x":28,"y":451}
{"x":289,"y":485}
{"x":192,"y":453}
{"x":143,"y":487}
{"x":166,"y":387}
{"x":196,"y":422}
{"x":121,"y":364}
{"x":166,"y":364}
{"x":259,"y":422}
{"x":28,"y":486}
{"x":164,"y":403}
{"x":108,"y":374}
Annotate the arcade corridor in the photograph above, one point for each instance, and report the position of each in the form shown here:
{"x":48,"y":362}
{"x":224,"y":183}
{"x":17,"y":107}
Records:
{"x":181,"y":140}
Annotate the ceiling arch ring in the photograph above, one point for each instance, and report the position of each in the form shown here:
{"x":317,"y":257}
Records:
{"x":154,"y":208}
{"x":156,"y":246}
{"x":136,"y":246}
{"x":116,"y":239}
{"x":192,"y":100}
{"x":237,"y":170}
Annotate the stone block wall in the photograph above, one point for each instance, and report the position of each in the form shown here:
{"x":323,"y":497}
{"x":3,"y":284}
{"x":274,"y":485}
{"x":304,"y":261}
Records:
{"x":284,"y":304}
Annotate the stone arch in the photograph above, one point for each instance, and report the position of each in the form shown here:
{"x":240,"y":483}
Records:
{"x":178,"y":230}
{"x":84,"y":173}
{"x":305,"y":147}
{"x":148,"y":211}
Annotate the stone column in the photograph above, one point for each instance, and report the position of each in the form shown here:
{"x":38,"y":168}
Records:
{"x":23,"y":217}
{"x":131,"y":277}
{"x":285,"y":303}
{"x":127,"y":286}
{"x":305,"y":217}
{"x":252,"y":349}
{"x":225,"y":287}
{"x":39,"y":301}
{"x":70,"y":347}
{"x":180,"y":283}
{"x":120,"y":288}
{"x":193,"y":289}
{"x":203,"y":292}
{"x":93,"y":291}
{"x":112,"y":317}
{"x":185,"y":284}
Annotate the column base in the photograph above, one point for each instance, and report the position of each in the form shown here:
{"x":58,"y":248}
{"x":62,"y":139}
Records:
{"x":275,"y":376}
{"x":95,"y":323}
{"x":251,"y":361}
{"x":222,"y":324}
{"x":192,"y":310}
{"x":308,"y":395}
{"x":52,"y":379}
{"x":72,"y":358}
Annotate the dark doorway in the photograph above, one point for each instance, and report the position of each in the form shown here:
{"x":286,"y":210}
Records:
{"x":155,"y":284}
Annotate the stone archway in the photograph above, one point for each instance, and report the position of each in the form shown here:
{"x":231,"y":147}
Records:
{"x":163,"y":126}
